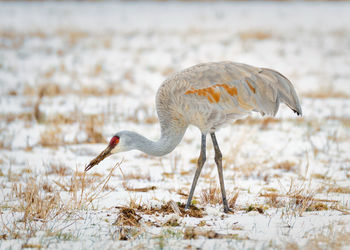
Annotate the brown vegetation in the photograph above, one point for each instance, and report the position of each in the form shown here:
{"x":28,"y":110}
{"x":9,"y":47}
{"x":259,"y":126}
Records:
{"x":196,"y":232}
{"x":338,"y":189}
{"x":254,"y":35}
{"x":285,"y":165}
{"x":145,"y":189}
{"x":213,"y":196}
{"x":323,"y":93}
{"x":51,"y":137}
{"x":168,"y":208}
{"x":40,"y":202}
{"x":52,"y":89}
{"x":57,"y":168}
{"x":127,"y":217}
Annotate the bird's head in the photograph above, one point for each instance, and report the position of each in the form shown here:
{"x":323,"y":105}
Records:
{"x":120,"y":142}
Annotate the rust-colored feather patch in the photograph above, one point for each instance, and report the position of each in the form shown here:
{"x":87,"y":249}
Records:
{"x":211,"y":93}
{"x":230,"y":90}
{"x":250,"y":86}
{"x":214,"y":94}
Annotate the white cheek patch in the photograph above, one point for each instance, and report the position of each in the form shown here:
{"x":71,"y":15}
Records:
{"x":118,"y":148}
{"x":115,"y":150}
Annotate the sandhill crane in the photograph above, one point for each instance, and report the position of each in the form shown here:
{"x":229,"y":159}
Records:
{"x":207,"y":96}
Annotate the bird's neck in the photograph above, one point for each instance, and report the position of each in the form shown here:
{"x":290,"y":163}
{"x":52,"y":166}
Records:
{"x":167,"y":142}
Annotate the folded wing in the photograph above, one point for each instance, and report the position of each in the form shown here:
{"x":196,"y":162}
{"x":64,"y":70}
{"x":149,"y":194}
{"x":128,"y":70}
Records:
{"x":239,"y":88}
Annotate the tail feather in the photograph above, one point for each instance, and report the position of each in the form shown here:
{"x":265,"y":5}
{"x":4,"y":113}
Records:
{"x":286,"y":92}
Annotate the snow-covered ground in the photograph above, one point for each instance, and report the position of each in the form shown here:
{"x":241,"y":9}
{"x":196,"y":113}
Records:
{"x":73,"y":74}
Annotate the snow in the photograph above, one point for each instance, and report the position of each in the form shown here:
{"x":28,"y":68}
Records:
{"x":99,"y":65}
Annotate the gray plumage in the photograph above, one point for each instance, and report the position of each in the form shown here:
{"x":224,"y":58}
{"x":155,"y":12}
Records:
{"x":207,"y":96}
{"x":265,"y":91}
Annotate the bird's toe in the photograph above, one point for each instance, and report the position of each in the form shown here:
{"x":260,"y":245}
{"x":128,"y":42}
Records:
{"x":228,"y":210}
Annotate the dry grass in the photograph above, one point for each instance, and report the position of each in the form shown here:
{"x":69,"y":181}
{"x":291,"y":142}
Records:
{"x":92,"y":127}
{"x":35,"y":203}
{"x":37,"y":114}
{"x":57,"y":168}
{"x":142,"y":114}
{"x":72,"y":37}
{"x":285,"y":165}
{"x":85,"y":121}
{"x":328,"y":92}
{"x":183,"y":193}
{"x":233,"y":200}
{"x":49,"y":89}
{"x":8,"y":118}
{"x":38,"y":246}
{"x":172,"y":222}
{"x":97,"y":70}
{"x":132,"y":189}
{"x":196,"y":232}
{"x":254,"y":35}
{"x":114,"y":88}
{"x":168,"y":208}
{"x":297,"y":200}
{"x":77,"y":184}
{"x":301,"y":203}
{"x":307,"y":202}
{"x":273,"y":200}
{"x":331,"y":237}
{"x":57,"y":119}
{"x":136,"y":176}
{"x":339,"y":189}
{"x":39,"y":202}
{"x":14,"y":40}
{"x":51,"y":137}
{"x":345,"y":121}
{"x":258,"y":208}
{"x":213,"y":196}
{"x":128,"y":217}
{"x":40,"y":91}
{"x":168,"y":175}
{"x":167,"y":71}
{"x":319,"y":176}
{"x":264,"y":122}
{"x":52,"y":89}
{"x":247,"y":168}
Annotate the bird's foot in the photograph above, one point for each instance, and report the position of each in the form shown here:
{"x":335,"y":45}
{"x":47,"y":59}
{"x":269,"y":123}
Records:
{"x":228,"y":210}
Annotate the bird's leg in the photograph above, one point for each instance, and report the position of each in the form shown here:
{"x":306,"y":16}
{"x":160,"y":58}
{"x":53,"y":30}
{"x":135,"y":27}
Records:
{"x":218,"y":160}
{"x":200,"y":163}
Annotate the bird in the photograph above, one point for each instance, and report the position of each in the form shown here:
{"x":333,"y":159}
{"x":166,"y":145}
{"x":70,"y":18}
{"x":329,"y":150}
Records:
{"x":208,"y":96}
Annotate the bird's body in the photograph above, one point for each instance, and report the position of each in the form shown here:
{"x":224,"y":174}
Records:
{"x":211,"y":94}
{"x":208,"y":96}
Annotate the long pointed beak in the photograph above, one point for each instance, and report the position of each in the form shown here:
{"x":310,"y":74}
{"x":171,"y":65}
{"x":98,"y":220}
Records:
{"x":105,"y":153}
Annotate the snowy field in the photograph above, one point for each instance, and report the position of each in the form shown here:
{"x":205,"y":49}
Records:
{"x":73,"y":74}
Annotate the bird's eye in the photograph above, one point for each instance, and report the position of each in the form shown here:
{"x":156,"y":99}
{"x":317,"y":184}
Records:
{"x":114,"y":141}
